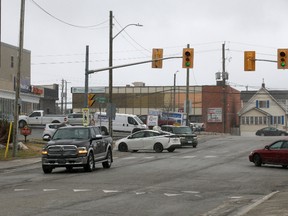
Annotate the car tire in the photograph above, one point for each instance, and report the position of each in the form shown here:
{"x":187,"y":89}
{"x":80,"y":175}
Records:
{"x":194,"y":146}
{"x":69,"y":168}
{"x":89,"y":166}
{"x":158,"y":147}
{"x":107,"y":164}
{"x":171,"y":149}
{"x":257,"y":160}
{"x":123,"y":147}
{"x":22,"y":123}
{"x":285,"y":166}
{"x":47,"y":169}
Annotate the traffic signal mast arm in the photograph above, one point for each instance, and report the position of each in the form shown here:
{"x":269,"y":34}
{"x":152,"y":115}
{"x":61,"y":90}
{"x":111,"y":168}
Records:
{"x":131,"y":64}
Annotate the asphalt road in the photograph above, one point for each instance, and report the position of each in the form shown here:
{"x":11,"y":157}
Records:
{"x":215,"y":179}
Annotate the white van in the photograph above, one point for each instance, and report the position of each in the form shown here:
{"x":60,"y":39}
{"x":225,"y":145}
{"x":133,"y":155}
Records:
{"x":123,"y":122}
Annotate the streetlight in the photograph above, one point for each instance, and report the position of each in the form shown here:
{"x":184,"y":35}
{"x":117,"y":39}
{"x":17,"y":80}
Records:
{"x":111,"y":38}
{"x":174,"y":90}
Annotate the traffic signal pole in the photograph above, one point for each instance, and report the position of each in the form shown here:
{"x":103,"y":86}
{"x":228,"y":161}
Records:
{"x":187,"y":93}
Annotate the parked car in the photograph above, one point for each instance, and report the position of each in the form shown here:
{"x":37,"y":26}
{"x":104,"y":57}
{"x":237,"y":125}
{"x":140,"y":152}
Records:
{"x":75,"y":118}
{"x":148,"y":140}
{"x":271,"y":131}
{"x":77,"y":146}
{"x":276,"y":153}
{"x":50,"y":129}
{"x":187,"y":136}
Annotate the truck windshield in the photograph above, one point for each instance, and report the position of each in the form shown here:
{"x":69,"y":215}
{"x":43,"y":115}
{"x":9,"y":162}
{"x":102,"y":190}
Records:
{"x":71,"y":133}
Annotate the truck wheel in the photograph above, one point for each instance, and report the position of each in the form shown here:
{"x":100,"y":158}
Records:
{"x":47,"y":169}
{"x":55,"y":121}
{"x":171,"y":149}
{"x":22,"y":124}
{"x":107,"y":164}
{"x":88,"y":167}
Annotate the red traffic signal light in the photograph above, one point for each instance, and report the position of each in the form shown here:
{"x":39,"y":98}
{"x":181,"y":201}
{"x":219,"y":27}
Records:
{"x":187,"y":58}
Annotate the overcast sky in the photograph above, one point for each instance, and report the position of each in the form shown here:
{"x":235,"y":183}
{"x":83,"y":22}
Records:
{"x":57,"y":41}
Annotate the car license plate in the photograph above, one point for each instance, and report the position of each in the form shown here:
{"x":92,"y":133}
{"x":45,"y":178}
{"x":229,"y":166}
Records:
{"x":189,"y":141}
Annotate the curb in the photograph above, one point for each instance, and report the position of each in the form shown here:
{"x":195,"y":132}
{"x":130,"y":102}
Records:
{"x":254,"y":205}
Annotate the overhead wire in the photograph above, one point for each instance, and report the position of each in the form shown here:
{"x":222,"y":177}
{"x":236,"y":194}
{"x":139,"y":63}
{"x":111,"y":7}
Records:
{"x":62,"y":21}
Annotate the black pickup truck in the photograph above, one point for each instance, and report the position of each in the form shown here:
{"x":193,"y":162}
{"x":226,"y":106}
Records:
{"x":77,"y":146}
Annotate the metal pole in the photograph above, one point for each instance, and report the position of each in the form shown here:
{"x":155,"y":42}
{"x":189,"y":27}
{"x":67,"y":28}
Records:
{"x":174,"y":92}
{"x":110,"y":70}
{"x":17,"y":90}
{"x":187,"y":94}
{"x":224,"y":87}
{"x":86,"y":77}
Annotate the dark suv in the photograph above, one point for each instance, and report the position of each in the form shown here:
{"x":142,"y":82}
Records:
{"x":77,"y":146}
{"x":187,"y":136}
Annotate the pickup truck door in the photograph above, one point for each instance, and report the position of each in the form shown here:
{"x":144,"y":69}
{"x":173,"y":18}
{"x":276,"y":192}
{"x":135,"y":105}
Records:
{"x":99,"y":144}
{"x":35,"y":118}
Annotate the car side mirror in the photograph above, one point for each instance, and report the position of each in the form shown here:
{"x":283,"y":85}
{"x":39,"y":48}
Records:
{"x":267,"y":147}
{"x":46,"y":138}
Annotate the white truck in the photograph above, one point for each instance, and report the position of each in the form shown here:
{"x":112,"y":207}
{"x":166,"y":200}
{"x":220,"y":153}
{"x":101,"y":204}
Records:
{"x":37,"y":117}
{"x":122,"y":122}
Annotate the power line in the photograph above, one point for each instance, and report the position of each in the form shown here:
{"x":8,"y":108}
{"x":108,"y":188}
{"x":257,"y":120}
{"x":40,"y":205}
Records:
{"x":62,"y":21}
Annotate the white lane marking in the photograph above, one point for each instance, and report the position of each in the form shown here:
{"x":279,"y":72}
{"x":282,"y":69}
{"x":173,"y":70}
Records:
{"x":22,"y":189}
{"x":129,"y":158}
{"x":47,"y":190}
{"x":187,"y":157}
{"x":81,"y":190}
{"x":210,"y":156}
{"x":171,"y":195}
{"x":140,"y":193}
{"x":111,"y":191}
{"x":149,"y":157}
{"x":236,"y":197}
{"x":191,"y":192}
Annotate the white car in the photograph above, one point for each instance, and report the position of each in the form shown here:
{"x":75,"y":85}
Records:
{"x":148,"y":140}
{"x":50,"y":129}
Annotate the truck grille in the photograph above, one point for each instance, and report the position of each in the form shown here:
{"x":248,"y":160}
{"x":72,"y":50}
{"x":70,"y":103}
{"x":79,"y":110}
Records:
{"x":62,"y":151}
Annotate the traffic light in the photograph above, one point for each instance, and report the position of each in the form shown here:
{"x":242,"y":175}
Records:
{"x":188,"y":55}
{"x":249,"y":60}
{"x":91,"y":99}
{"x":282,"y":58}
{"x":157,"y":54}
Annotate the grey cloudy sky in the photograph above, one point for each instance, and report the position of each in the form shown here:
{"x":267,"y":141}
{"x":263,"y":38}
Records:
{"x":58,"y":49}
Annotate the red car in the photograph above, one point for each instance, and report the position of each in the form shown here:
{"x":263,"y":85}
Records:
{"x":276,"y":153}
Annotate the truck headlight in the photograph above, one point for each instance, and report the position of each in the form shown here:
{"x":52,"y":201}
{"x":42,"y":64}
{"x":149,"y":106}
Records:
{"x":44,"y":152}
{"x":82,"y":150}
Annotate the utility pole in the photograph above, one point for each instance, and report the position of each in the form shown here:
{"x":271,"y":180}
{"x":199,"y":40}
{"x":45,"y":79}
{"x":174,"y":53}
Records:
{"x":187,"y":94}
{"x":65,"y":109}
{"x":86,"y":77}
{"x":110,"y":70}
{"x":62,"y":96}
{"x":224,"y":87}
{"x":18,"y":76}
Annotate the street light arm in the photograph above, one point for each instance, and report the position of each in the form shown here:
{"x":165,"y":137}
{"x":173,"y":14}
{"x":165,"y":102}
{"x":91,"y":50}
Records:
{"x":125,"y":28}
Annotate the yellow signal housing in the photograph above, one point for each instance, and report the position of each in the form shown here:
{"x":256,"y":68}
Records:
{"x":249,"y":60}
{"x":187,"y":58}
{"x":282,"y":58}
{"x":157,"y":55}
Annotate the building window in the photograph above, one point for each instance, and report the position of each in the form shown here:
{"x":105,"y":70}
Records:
{"x":12,"y":62}
{"x":247,"y":120}
{"x":260,"y":120}
{"x":251,"y":120}
{"x":256,"y":120}
{"x":262,"y":104}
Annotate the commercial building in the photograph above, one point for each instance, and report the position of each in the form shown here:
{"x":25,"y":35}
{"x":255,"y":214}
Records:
{"x":215,"y":106}
{"x":31,"y":96}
